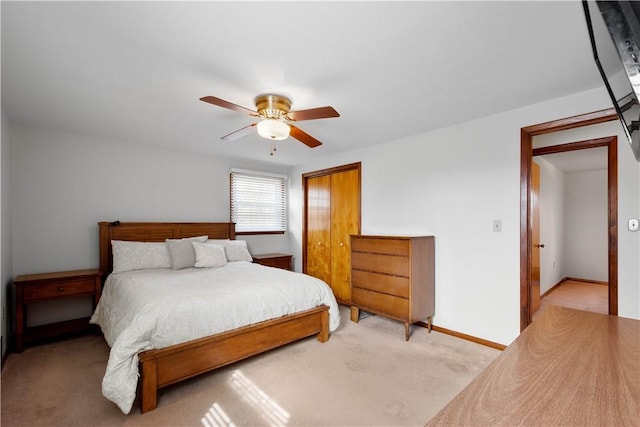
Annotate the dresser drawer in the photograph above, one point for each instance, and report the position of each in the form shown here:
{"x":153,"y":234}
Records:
{"x":394,"y":285}
{"x":388,"y":264}
{"x":59,"y":289}
{"x":381,"y":246}
{"x":381,"y":303}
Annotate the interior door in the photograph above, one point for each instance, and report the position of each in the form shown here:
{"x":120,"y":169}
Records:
{"x":318,"y":261}
{"x":344,"y":222}
{"x":535,"y":237}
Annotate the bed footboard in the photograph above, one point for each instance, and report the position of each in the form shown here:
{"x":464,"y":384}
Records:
{"x":160,"y":368}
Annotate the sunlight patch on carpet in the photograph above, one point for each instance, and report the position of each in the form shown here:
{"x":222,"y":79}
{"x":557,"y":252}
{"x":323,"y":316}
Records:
{"x":216,"y":417}
{"x":268,"y":408}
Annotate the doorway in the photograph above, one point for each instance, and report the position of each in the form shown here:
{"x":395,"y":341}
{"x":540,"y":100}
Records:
{"x":570,"y":228}
{"x":526,"y":241}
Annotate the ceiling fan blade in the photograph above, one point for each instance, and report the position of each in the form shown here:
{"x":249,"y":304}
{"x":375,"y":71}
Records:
{"x":226,"y":104}
{"x":304,"y":137}
{"x":239,"y":133}
{"x":313,"y":113}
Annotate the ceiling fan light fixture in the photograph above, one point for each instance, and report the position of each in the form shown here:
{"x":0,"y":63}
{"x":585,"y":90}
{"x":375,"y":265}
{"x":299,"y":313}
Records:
{"x":273,"y":114}
{"x":273,"y":129}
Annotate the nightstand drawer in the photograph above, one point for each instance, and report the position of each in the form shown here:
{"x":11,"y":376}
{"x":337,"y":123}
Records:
{"x":59,"y":289}
{"x":282,"y":261}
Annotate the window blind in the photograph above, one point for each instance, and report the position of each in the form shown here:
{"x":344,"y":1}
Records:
{"x":258,"y":202}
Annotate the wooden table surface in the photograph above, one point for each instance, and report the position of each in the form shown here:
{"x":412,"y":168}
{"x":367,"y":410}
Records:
{"x":569,"y":368}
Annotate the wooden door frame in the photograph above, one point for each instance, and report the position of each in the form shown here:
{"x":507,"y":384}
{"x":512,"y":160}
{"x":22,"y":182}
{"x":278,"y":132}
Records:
{"x":526,"y":157}
{"x":305,"y":177}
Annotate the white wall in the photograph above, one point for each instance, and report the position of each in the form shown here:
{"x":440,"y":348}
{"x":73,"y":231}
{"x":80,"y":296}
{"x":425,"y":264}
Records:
{"x":452,"y":183}
{"x":586,"y":225}
{"x":64,"y":183}
{"x":628,"y":241}
{"x":551,"y":202}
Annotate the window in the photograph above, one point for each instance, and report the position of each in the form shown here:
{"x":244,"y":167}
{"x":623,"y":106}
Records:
{"x":258,"y":202}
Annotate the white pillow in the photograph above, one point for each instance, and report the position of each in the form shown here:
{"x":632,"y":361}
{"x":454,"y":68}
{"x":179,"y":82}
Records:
{"x":209,"y":255}
{"x":129,"y":256}
{"x":236,"y":250}
{"x":181,"y":253}
{"x":218,"y":241}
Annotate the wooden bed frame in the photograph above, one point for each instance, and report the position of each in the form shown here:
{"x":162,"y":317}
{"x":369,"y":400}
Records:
{"x":169,"y":365}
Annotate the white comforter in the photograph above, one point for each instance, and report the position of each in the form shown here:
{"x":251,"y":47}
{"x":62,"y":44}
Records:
{"x":151,"y":309}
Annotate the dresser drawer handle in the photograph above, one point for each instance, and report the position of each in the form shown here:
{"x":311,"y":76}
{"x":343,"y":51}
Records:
{"x":61,"y":289}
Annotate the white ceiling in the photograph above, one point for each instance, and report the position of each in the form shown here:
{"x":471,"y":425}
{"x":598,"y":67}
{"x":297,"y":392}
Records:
{"x":590,"y":159}
{"x":136,"y":70}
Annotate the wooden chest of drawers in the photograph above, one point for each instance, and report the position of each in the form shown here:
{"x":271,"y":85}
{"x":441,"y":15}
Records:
{"x":394,"y":277}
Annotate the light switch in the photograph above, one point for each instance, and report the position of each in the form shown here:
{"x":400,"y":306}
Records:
{"x":633,"y":225}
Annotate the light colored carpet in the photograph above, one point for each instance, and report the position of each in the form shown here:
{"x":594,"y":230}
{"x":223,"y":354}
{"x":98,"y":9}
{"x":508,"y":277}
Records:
{"x":365,"y":375}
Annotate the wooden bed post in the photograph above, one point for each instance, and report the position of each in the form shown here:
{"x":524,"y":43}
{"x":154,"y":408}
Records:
{"x":149,"y":387}
{"x":105,"y":249}
{"x":323,"y":335}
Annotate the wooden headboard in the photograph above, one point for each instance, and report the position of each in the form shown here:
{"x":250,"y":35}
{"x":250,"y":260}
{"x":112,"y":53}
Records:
{"x":156,"y":232}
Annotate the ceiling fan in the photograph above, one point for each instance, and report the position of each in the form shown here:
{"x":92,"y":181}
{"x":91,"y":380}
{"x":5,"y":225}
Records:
{"x":274,"y":112}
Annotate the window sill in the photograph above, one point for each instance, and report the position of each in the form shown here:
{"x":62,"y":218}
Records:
{"x":249,"y":233}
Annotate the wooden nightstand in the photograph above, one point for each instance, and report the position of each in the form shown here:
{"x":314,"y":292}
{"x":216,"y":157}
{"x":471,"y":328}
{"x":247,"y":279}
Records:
{"x":274,"y":260}
{"x":47,"y":286}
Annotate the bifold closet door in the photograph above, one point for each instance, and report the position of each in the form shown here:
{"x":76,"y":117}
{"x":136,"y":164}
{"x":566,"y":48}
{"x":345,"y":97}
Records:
{"x":332,"y":214}
{"x":345,"y":218}
{"x":319,"y":227}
